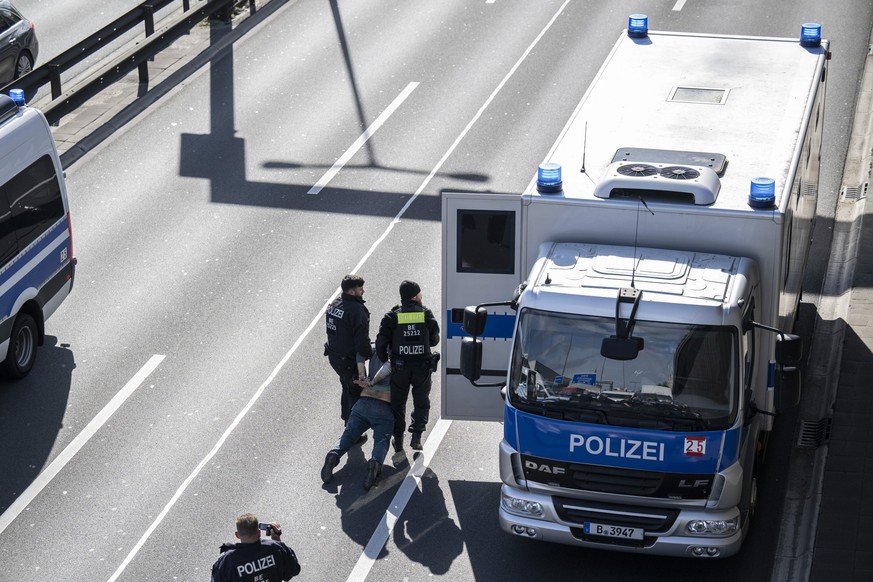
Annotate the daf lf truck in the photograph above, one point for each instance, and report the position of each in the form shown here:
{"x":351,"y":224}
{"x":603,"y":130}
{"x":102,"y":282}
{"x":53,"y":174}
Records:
{"x":628,"y":316}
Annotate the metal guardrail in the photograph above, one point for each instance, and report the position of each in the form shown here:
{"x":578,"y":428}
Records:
{"x":143,"y":15}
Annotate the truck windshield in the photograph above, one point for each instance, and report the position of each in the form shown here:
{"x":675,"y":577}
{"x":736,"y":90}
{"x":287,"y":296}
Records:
{"x":683,"y":379}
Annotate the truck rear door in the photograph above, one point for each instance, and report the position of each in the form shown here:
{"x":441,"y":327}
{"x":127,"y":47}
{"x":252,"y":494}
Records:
{"x":481,"y":238}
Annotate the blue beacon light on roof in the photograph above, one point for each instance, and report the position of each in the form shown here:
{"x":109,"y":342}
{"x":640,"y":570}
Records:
{"x":17,"y":96}
{"x":549,"y":178}
{"x":762,"y":193}
{"x":638,"y":26}
{"x":810,"y":35}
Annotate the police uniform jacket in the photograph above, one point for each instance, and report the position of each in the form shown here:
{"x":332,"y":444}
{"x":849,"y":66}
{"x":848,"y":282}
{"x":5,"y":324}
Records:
{"x":266,"y":560}
{"x":410,"y":330}
{"x":348,"y":327}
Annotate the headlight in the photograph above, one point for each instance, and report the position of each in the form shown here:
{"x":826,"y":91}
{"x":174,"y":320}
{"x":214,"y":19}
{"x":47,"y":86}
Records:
{"x":713,"y":527}
{"x":521,"y":507}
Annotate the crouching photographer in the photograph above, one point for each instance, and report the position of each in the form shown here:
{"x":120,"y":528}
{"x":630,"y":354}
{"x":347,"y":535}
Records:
{"x":254,"y":558}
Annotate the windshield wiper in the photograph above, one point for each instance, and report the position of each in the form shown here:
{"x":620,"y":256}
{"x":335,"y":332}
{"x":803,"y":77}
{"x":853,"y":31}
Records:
{"x":558,"y":408}
{"x":666,"y":409}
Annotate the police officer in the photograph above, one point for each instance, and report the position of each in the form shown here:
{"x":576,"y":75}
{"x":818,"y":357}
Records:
{"x":409,"y":330}
{"x":255,"y":559}
{"x":348,"y":336}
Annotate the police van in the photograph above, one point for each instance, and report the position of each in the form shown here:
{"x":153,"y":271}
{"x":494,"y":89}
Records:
{"x":36,"y":241}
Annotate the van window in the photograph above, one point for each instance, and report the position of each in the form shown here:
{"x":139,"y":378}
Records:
{"x":34,"y":197}
{"x":8,"y":243}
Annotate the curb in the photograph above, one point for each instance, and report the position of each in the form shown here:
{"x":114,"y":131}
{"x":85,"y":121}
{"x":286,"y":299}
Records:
{"x":800,"y":510}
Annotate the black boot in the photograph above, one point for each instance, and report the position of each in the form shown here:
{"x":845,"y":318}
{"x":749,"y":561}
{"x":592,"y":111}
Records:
{"x":415,"y":442}
{"x":374,"y":469}
{"x":330,"y":461}
{"x":398,"y":444}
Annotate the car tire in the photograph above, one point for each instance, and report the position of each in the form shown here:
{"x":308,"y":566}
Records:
{"x":21,"y":354}
{"x":23,"y":65}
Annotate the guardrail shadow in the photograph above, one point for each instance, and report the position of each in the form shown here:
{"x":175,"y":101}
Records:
{"x":220,"y":156}
{"x":31,"y":416}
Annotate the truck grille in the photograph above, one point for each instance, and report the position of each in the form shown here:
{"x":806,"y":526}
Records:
{"x":614,"y":480}
{"x":653,"y":521}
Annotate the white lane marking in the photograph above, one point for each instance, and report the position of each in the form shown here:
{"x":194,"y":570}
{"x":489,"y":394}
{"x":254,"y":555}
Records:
{"x":176,"y":496}
{"x":679,"y":4}
{"x":320,"y":315}
{"x":77,"y":443}
{"x":359,"y":143}
{"x":490,"y":1}
{"x":383,"y":530}
{"x":401,"y":498}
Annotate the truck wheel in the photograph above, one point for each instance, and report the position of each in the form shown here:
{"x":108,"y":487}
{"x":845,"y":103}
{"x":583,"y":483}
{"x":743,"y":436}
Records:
{"x":22,"y":347}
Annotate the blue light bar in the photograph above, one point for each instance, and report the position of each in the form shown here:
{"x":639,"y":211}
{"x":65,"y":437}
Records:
{"x":810,"y":35}
{"x":549,"y":178}
{"x":762,"y":193}
{"x":17,"y":96}
{"x":638,"y":26}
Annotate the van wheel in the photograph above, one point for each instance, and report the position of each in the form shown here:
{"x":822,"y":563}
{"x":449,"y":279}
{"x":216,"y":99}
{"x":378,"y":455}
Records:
{"x":22,"y":347}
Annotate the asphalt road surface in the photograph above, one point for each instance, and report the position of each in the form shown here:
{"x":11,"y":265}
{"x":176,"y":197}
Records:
{"x":183,"y":381}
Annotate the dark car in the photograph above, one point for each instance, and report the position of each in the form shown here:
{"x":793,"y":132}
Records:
{"x":18,"y":44}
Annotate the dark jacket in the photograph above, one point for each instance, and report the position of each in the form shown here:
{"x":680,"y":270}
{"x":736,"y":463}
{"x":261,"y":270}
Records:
{"x":266,"y":560}
{"x":348,"y":327}
{"x":424,"y":333}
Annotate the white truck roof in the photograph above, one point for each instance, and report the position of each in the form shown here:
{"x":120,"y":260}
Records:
{"x":744,"y":97}
{"x":570,"y":273}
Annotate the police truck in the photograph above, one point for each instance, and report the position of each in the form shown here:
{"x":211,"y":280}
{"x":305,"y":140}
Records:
{"x":628,"y":316}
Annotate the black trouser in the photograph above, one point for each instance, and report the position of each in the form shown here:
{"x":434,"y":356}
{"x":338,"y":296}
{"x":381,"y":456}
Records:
{"x":347,"y":371}
{"x":414,"y":373}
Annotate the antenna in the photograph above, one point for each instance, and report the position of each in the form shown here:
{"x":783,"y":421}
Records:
{"x":584,"y":147}
{"x":636,"y":237}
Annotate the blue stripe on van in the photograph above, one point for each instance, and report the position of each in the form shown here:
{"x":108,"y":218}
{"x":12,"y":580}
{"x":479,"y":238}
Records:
{"x":497,"y":326}
{"x":34,"y":267}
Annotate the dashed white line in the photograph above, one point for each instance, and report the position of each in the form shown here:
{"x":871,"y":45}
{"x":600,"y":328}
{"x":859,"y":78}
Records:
{"x":396,"y":509}
{"x":359,"y":143}
{"x":398,"y":504}
{"x":679,"y":4}
{"x":401,"y":498}
{"x":77,"y":443}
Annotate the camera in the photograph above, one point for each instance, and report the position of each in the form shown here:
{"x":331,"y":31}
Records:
{"x":268,"y":529}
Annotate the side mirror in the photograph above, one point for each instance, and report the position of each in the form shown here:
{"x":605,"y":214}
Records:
{"x":471,"y":358}
{"x":789,"y":349}
{"x":616,"y":348}
{"x":787,"y":387}
{"x":474,"y":320}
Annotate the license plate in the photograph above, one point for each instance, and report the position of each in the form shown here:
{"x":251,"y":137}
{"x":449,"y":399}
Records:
{"x":613,"y":531}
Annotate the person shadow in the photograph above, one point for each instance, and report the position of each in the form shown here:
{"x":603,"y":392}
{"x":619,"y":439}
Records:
{"x":425,"y":532}
{"x":362,"y":510}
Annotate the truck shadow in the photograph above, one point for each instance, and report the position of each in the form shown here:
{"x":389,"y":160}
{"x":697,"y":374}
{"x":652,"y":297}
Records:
{"x":496,"y":555}
{"x":31,"y":416}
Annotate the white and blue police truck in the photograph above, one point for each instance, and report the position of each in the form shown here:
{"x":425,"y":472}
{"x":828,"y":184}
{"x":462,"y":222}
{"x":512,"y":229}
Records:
{"x":627,"y":317}
{"x":36,"y":242}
